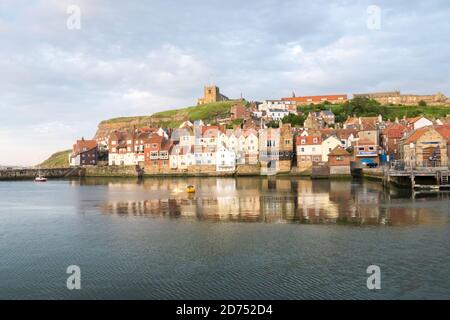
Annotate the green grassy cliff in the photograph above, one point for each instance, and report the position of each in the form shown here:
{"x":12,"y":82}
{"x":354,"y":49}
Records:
{"x":57,"y":160}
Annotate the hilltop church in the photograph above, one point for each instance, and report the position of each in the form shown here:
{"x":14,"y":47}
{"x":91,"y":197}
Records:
{"x":211,"y":93}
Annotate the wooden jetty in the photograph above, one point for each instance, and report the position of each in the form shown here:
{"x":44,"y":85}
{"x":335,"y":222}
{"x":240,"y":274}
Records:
{"x":431,"y":178}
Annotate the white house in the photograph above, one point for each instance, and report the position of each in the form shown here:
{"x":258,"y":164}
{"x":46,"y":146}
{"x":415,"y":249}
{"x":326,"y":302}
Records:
{"x":276,"y":114}
{"x":419,"y":122}
{"x":181,"y":157}
{"x":309,"y":150}
{"x":328,"y":145}
{"x":225,"y":159}
{"x":289,"y":106}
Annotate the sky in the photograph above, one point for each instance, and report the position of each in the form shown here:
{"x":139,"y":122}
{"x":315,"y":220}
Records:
{"x":63,"y":69}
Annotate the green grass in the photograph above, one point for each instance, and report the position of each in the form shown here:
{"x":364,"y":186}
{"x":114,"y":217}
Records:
{"x":57,"y":160}
{"x":173,"y":118}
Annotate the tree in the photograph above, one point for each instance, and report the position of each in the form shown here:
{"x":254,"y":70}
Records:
{"x":422,"y":103}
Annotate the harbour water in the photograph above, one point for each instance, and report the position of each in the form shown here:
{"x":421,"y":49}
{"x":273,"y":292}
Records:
{"x":235,"y":238}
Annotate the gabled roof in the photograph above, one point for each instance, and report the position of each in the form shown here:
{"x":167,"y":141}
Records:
{"x":416,"y":134}
{"x":345,"y":133}
{"x":339,"y":151}
{"x":83,"y":146}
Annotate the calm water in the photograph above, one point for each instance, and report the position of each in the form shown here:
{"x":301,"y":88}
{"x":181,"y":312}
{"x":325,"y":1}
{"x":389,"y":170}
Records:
{"x":245,"y":238}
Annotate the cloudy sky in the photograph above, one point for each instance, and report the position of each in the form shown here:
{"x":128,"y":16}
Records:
{"x":139,"y":57}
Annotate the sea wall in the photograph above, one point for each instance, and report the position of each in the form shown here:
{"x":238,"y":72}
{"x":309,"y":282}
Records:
{"x":24,"y":174}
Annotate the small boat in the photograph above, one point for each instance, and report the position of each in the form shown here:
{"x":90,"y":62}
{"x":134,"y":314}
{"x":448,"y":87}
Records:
{"x":190,"y":189}
{"x":40,"y":178}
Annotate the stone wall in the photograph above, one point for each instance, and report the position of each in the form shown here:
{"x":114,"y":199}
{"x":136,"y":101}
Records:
{"x":110,"y":171}
{"x":30,"y":174}
{"x":340,"y":170}
{"x":248,"y":169}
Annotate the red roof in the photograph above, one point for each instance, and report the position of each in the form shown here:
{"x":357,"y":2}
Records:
{"x":309,"y":140}
{"x":83,"y":146}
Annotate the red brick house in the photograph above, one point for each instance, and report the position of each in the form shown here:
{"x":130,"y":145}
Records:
{"x":157,"y":150}
{"x":339,"y":161}
{"x":389,"y":139}
{"x":365,"y":151}
{"x":239,"y":111}
{"x":84,"y":152}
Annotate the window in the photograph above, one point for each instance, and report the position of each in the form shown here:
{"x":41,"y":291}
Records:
{"x":302,"y":149}
{"x":339,"y":158}
{"x":371,"y":148}
{"x":303,"y":141}
{"x":287,"y":142}
{"x":314,"y":140}
{"x":361,"y":148}
{"x":313,"y":149}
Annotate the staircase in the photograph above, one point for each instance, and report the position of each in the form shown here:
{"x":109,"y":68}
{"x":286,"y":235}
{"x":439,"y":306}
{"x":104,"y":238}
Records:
{"x":444,"y":177}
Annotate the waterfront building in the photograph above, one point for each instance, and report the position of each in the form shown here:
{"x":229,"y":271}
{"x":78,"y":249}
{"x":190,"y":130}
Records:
{"x":121,"y":148}
{"x":328,"y":145}
{"x":286,"y":152}
{"x":309,"y":151}
{"x":425,"y":147}
{"x":225,"y":159}
{"x":269,"y":149}
{"x":365,"y":151}
{"x":84,"y":152}
{"x":157,"y":149}
{"x":181,"y":157}
{"x":339,"y":161}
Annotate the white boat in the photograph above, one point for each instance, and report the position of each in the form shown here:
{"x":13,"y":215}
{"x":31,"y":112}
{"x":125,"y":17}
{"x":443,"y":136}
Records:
{"x":39,"y":177}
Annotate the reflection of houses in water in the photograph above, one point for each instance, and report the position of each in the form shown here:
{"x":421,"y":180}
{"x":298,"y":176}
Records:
{"x":267,"y":200}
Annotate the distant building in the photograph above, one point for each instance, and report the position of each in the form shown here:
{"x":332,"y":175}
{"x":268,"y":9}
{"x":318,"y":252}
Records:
{"x":289,"y":106}
{"x":306,"y":100}
{"x":211,"y":94}
{"x":84,"y":152}
{"x":416,"y":122}
{"x":239,"y":111}
{"x":276,"y":114}
{"x":394,"y":97}
{"x":319,"y":119}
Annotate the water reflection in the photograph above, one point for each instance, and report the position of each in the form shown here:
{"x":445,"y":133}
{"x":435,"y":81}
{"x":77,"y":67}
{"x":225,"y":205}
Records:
{"x":274,"y":200}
